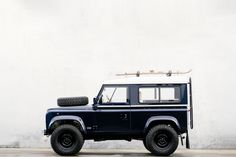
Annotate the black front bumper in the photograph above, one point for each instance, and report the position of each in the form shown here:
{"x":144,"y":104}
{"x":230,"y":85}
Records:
{"x":45,"y":132}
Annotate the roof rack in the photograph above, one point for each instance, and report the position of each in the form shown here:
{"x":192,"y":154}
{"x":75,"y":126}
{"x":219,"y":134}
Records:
{"x":152,"y":72}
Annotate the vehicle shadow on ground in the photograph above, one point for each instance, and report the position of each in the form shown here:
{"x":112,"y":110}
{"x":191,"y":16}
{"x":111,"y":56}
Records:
{"x":125,"y":154}
{"x":132,"y":154}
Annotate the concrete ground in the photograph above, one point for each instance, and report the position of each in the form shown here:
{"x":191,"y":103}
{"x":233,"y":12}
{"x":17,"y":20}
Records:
{"x":10,"y":152}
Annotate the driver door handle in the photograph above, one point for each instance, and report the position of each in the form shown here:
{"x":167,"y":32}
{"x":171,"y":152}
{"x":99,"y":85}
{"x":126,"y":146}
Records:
{"x":123,"y":116}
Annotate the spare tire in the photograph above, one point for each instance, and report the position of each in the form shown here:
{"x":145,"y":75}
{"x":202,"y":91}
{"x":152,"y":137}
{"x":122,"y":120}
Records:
{"x":72,"y":101}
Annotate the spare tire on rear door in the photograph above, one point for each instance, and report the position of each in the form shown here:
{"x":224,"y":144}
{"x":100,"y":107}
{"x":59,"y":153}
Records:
{"x":72,"y":101}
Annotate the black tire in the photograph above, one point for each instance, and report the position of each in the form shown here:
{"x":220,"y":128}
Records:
{"x":67,"y":140}
{"x":162,"y":140}
{"x":144,"y":143}
{"x":72,"y":101}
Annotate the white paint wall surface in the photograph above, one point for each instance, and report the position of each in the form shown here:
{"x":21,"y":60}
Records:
{"x":54,"y":48}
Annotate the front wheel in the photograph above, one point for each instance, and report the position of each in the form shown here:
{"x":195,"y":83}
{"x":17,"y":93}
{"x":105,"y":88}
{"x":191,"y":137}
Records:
{"x":67,"y":140}
{"x":162,"y":140}
{"x":145,"y":145}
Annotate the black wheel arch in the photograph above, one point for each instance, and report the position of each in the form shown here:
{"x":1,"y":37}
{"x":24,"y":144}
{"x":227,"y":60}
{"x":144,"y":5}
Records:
{"x":159,"y":120}
{"x":71,"y":120}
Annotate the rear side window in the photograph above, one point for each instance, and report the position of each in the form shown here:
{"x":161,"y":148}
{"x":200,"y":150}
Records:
{"x":149,"y":95}
{"x":170,"y":94}
{"x":153,"y":95}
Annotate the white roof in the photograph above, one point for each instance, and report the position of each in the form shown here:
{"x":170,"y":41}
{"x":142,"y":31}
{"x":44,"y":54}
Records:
{"x":149,"y":80}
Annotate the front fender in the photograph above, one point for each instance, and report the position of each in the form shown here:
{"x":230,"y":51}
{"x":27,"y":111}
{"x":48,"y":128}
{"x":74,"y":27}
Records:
{"x":71,"y":118}
{"x":161,"y":119}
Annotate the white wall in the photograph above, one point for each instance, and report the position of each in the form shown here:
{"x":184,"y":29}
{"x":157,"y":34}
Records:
{"x":59,"y":48}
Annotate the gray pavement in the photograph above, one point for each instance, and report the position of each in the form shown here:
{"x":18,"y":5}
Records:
{"x":10,"y":152}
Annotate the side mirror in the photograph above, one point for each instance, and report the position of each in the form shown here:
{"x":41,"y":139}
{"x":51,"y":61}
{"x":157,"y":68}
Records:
{"x":95,"y":100}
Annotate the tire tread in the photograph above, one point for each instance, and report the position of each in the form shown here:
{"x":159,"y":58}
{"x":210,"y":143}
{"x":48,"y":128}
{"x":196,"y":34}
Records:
{"x":55,"y":145}
{"x":162,"y":151}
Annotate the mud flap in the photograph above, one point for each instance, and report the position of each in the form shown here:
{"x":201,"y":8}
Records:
{"x":181,"y":138}
{"x":187,"y":141}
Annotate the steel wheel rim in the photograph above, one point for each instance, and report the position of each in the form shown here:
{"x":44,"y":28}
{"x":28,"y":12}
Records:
{"x":162,"y":140}
{"x":66,"y":140}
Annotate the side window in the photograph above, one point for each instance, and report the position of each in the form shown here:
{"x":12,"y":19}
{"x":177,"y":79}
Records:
{"x":156,"y":95}
{"x":148,"y":95}
{"x":114,"y":95}
{"x":170,"y":94}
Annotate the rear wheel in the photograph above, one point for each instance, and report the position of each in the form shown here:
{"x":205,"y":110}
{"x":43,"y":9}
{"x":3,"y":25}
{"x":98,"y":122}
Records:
{"x":162,"y":140}
{"x":67,"y":140}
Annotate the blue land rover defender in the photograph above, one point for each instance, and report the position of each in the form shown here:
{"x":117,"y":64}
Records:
{"x":156,"y":110}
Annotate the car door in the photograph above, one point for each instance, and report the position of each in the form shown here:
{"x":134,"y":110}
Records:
{"x":113,"y":109}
